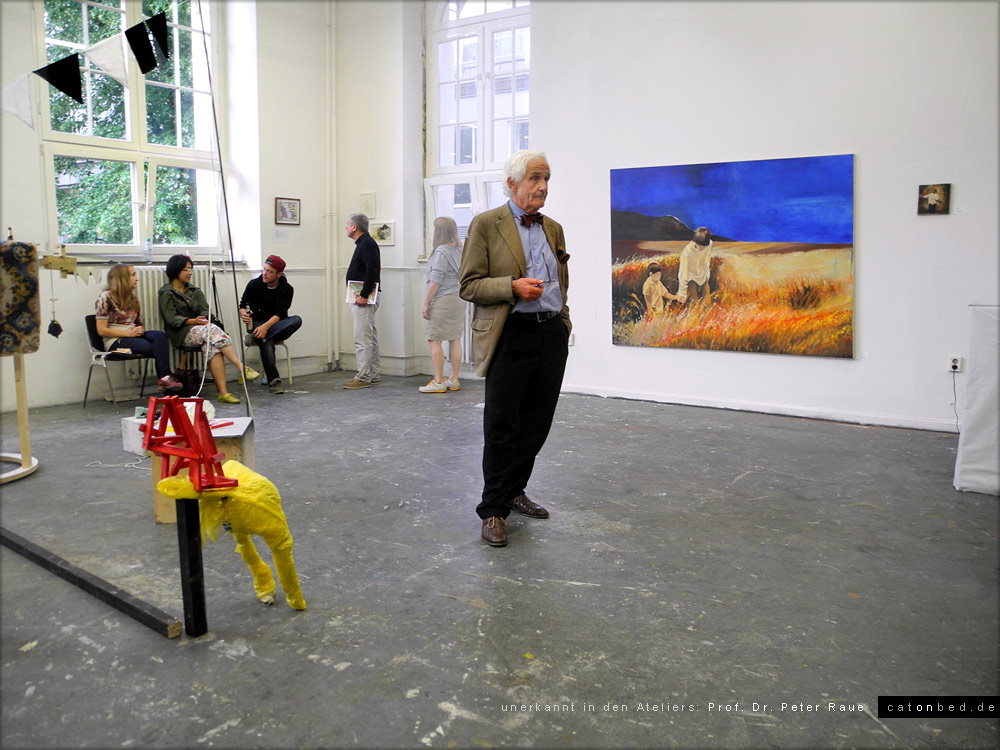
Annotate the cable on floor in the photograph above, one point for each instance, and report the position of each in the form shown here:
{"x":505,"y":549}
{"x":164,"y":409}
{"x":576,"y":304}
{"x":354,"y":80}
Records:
{"x":137,"y":464}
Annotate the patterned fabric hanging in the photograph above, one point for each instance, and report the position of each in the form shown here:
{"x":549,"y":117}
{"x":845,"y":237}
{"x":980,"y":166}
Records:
{"x":20,"y":310}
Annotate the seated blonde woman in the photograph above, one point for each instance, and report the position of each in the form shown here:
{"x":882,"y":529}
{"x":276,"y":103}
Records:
{"x":184,"y":311}
{"x":119,"y":324}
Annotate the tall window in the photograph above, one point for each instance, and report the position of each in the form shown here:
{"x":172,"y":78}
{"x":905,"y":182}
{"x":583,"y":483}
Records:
{"x":478,"y":83}
{"x":134,"y":160}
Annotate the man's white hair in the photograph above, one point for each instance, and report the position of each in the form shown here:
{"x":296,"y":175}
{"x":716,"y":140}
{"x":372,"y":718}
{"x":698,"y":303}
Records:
{"x":517,"y":165}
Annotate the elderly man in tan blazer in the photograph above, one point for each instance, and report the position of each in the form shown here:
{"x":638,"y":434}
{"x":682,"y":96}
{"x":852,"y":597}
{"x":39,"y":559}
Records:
{"x":514,"y":269}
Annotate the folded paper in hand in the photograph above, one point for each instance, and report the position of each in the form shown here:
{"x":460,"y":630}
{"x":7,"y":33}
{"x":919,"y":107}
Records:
{"x":354,"y":289}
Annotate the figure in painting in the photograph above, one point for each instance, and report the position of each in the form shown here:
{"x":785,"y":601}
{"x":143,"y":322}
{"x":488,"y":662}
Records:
{"x":934,"y":199}
{"x":654,"y":292}
{"x":696,"y":267}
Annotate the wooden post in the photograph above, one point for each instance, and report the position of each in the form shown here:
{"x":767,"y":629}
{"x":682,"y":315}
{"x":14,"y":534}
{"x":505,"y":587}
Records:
{"x":22,"y":411}
{"x":28,"y":462}
{"x":192,"y":571}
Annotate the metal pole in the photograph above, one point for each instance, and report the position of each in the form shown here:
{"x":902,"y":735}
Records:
{"x":192,"y":571}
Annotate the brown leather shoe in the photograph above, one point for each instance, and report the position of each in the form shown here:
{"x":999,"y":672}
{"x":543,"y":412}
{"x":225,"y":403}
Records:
{"x":495,"y":531}
{"x":527,"y":507}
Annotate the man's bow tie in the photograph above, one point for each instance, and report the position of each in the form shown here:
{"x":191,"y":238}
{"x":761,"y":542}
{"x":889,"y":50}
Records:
{"x":529,"y":219}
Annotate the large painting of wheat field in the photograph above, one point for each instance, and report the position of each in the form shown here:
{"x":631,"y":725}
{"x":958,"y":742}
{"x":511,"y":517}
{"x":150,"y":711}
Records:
{"x":746,"y":256}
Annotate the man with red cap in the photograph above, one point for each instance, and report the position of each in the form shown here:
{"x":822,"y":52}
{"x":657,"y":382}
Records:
{"x":264,"y":308}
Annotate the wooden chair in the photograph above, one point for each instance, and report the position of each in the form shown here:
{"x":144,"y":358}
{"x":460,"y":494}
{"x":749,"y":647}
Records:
{"x":99,"y":357}
{"x":183,"y":352}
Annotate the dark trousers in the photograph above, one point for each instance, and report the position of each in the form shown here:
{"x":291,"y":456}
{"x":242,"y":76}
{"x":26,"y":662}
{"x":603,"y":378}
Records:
{"x":697,"y":291}
{"x":522,"y":389}
{"x":154,"y":343}
{"x":278,"y":332}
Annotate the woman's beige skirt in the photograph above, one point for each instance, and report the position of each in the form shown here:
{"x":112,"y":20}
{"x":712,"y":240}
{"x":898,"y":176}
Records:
{"x":447,"y":318}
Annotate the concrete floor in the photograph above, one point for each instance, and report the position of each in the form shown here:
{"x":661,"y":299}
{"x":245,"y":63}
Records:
{"x":698,"y":561}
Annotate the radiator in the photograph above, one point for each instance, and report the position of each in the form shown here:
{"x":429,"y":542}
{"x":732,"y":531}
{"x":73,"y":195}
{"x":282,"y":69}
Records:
{"x":151,"y":278}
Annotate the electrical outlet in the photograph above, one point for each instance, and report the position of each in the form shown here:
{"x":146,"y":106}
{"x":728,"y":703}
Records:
{"x":955,"y":364}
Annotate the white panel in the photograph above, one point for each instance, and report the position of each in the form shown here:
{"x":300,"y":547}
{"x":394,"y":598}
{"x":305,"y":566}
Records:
{"x":977,"y":468}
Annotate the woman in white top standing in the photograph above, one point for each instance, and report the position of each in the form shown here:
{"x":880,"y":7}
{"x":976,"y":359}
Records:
{"x":444,"y":310}
{"x":696,"y":267}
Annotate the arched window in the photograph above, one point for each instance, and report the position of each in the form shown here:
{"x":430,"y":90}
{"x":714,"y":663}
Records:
{"x":478,"y":84}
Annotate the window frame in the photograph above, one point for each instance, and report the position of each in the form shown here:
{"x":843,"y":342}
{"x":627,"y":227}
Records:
{"x":135,"y":148}
{"x":149,"y":204}
{"x":478,"y":183}
{"x":483,"y":27}
{"x":487,"y":169}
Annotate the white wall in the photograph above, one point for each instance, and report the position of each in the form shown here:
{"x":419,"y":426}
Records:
{"x":910,"y":88}
{"x":293,"y":87}
{"x":379,"y":69}
{"x":22,"y":206}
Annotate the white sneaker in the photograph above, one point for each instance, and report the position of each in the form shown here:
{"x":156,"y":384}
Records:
{"x":453,"y":385}
{"x":433,"y":387}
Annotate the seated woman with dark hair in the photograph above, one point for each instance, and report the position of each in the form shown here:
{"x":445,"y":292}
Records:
{"x":184,"y":310}
{"x":119,"y":323}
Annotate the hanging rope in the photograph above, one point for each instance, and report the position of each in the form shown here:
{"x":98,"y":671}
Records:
{"x":225,"y":202}
{"x":54,"y":328}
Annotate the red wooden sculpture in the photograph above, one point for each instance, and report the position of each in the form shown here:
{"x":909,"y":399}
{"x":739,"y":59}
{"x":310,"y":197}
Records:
{"x":191,"y":445}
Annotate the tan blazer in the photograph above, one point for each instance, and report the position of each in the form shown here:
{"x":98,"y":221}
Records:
{"x":492,"y":257}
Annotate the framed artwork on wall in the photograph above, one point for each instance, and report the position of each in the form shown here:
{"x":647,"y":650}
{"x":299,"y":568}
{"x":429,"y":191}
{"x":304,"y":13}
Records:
{"x":934,"y":199}
{"x":384,"y":232}
{"x":287,"y":210}
{"x":744,"y":256}
{"x":368,"y":204}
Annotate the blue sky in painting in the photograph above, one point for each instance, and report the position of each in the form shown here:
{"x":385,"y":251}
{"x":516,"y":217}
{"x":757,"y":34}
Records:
{"x":809,"y":199}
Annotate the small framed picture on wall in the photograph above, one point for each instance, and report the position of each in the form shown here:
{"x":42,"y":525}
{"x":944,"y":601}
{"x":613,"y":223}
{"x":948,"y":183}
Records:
{"x":934,"y":199}
{"x":384,"y":232}
{"x":287,"y":210}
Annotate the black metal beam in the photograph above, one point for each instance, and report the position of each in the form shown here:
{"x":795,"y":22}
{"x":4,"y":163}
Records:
{"x":141,"y":611}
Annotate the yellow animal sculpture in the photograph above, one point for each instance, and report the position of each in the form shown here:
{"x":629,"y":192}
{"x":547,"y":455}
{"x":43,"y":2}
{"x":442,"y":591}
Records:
{"x":253,"y":507}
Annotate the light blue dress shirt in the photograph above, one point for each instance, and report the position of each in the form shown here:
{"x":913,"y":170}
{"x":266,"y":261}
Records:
{"x":542,"y":264}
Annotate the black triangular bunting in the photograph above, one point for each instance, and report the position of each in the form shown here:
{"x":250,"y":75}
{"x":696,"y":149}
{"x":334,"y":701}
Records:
{"x":138,"y":40}
{"x":158,"y":26}
{"x":65,"y":75}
